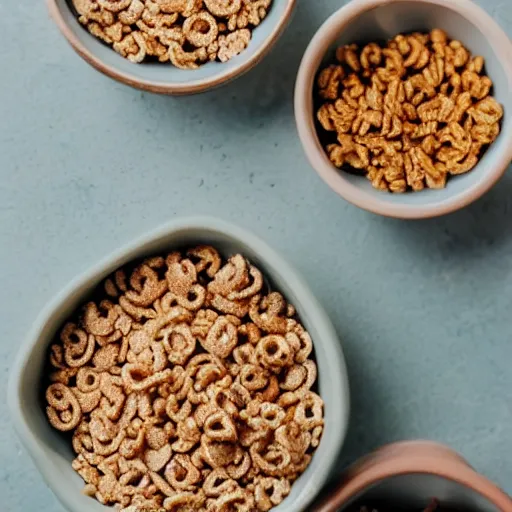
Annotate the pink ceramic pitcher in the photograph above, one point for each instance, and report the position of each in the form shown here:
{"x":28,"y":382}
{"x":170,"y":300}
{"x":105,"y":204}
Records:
{"x":412,"y":473}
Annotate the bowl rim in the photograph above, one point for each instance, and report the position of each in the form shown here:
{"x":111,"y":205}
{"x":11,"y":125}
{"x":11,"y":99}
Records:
{"x":501,"y":46}
{"x":338,"y":376}
{"x":171,"y":88}
{"x":411,"y":457}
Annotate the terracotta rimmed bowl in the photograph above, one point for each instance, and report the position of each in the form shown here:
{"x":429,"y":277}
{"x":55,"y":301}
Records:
{"x":408,"y":475}
{"x":163,"y":77}
{"x":370,"y":20}
{"x":52,"y":452}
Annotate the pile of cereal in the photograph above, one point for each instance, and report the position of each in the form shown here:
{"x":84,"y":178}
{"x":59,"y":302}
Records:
{"x":186,"y":385}
{"x":408,"y":114}
{"x":185,"y":32}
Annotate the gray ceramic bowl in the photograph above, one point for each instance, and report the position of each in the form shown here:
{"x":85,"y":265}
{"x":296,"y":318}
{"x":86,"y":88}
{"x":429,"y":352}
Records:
{"x":165,"y":78}
{"x":52,"y":452}
{"x":371,"y":20}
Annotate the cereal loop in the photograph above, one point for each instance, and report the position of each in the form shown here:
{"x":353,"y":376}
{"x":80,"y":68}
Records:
{"x":200,"y":29}
{"x":63,"y":408}
{"x":223,"y":8}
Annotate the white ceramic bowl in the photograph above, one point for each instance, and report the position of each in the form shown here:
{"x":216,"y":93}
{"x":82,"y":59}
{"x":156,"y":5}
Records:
{"x":374,"y":20}
{"x":52,"y":452}
{"x":163,"y":77}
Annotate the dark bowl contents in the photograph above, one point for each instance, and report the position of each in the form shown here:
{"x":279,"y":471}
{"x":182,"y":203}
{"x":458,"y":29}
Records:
{"x":434,"y":506}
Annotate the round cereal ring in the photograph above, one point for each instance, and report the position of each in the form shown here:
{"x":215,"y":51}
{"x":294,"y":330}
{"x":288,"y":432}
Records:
{"x":181,"y":473}
{"x":309,"y":412}
{"x":200,"y":29}
{"x":87,"y":401}
{"x":63,"y":408}
{"x":266,"y":313}
{"x":78,"y":345}
{"x":183,"y":59}
{"x":218,"y":482}
{"x":251,"y":332}
{"x":114,"y":5}
{"x":274,"y":352}
{"x":293,"y":438}
{"x":274,"y":461}
{"x":147,"y":287}
{"x":223,"y":8}
{"x":184,"y":501}
{"x":63,"y":376}
{"x":221,"y":339}
{"x":240,"y":500}
{"x":270,"y":492}
{"x":294,"y":377}
{"x":271,"y":415}
{"x":179,"y":343}
{"x":244,"y":354}
{"x":138,"y":377}
{"x":238,"y":470}
{"x":251,"y":289}
{"x":220,"y":427}
{"x":231,"y":277}
{"x":131,"y":447}
{"x":253,"y":377}
{"x":57,"y":357}
{"x":206,"y":259}
{"x":94,"y":320}
{"x":113,"y":400}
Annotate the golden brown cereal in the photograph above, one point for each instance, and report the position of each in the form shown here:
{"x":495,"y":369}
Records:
{"x":408,"y":114}
{"x":186,"y":383}
{"x":187,"y":33}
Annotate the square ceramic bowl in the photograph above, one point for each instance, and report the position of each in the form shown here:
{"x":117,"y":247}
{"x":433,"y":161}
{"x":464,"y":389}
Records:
{"x":164,"y":77}
{"x":363,"y":21}
{"x":52,"y":452}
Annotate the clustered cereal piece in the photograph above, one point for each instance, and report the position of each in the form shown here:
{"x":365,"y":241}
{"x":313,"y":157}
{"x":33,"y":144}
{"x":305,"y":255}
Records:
{"x":186,"y":387}
{"x":187,"y":33}
{"x":408,"y":114}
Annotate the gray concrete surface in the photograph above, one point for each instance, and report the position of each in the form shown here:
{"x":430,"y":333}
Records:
{"x":423,"y":309}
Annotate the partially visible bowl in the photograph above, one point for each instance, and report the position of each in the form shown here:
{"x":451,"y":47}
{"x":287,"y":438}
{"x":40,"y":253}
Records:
{"x":163,"y":77}
{"x":408,"y":475}
{"x":52,"y":452}
{"x":374,"y":20}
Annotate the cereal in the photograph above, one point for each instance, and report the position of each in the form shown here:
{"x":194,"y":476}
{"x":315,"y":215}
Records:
{"x":187,"y":33}
{"x":185,"y":383}
{"x":407,"y":115}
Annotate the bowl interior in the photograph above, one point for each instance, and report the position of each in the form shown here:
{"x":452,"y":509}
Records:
{"x":384,"y":21}
{"x":414,"y":492}
{"x":165,"y":73}
{"x":52,"y":451}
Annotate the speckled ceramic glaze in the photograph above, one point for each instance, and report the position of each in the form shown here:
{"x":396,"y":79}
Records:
{"x":52,"y":452}
{"x":163,"y":77}
{"x":370,"y":20}
{"x":411,"y":474}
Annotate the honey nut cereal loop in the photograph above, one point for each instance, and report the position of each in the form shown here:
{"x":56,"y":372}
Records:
{"x":185,"y":33}
{"x":409,"y":114}
{"x":185,"y":383}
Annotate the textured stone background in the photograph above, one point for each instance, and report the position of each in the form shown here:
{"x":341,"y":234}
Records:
{"x":423,"y":309}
